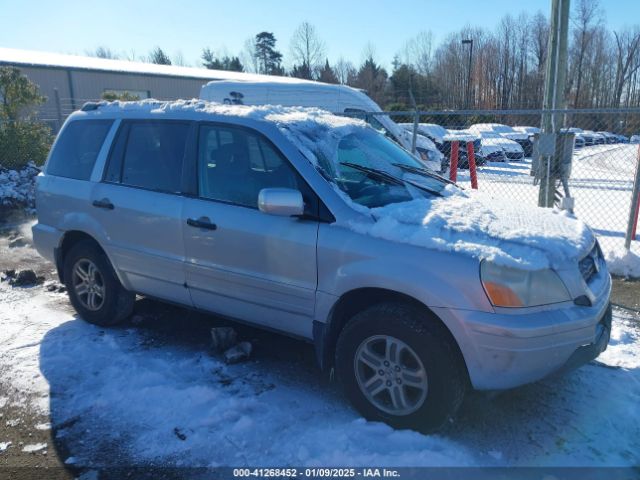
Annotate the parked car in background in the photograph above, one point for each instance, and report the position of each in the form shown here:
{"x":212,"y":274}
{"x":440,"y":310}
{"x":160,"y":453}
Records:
{"x":320,"y":227}
{"x":522,"y":138}
{"x":599,"y":138}
{"x":634,"y":139}
{"x":339,"y":99}
{"x":622,"y":138}
{"x":578,"y":141}
{"x":491,"y":141}
{"x":443,"y":137}
{"x":585,"y":136}
{"x":609,"y":137}
{"x":531,"y":131}
{"x":589,"y":137}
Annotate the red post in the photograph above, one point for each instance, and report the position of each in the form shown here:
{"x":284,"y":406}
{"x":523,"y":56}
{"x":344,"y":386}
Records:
{"x":453,"y":168}
{"x":472,"y":165}
{"x":635,"y":223}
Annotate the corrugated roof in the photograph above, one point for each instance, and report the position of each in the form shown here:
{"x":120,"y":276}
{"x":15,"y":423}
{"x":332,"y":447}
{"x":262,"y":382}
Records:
{"x":47,"y":59}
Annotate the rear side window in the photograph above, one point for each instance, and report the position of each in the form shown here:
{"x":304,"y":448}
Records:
{"x":76,"y":151}
{"x":150,"y":155}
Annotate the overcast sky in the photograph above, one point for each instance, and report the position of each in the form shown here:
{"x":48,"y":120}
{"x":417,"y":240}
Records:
{"x":346,"y":26}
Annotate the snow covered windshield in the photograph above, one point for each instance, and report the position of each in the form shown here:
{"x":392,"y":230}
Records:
{"x":371,"y":169}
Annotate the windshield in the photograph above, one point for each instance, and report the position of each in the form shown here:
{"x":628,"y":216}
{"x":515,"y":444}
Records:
{"x":503,"y":129}
{"x":490,"y":135}
{"x":432,"y":130}
{"x":338,"y":153}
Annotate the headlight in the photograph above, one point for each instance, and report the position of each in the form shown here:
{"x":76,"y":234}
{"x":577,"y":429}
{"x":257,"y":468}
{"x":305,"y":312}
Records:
{"x":428,"y":155}
{"x":512,"y":287}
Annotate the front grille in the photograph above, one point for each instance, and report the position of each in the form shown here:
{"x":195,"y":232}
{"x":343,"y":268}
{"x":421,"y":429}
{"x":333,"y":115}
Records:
{"x":589,"y":264}
{"x":514,"y":155}
{"x":495,"y":156}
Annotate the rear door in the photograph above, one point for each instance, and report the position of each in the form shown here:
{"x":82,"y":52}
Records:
{"x":241,"y":262}
{"x":139,"y":204}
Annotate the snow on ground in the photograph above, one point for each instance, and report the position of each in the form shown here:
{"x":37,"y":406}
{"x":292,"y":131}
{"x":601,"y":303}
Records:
{"x":128,"y":396}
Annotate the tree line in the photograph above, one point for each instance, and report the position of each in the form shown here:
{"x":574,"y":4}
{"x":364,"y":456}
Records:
{"x":506,"y":69}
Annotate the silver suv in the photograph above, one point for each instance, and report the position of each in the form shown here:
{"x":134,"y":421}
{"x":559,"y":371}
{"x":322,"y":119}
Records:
{"x":317,"y":226}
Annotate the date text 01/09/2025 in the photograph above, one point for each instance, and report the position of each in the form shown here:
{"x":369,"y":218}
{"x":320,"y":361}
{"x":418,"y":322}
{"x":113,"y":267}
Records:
{"x":315,"y":472}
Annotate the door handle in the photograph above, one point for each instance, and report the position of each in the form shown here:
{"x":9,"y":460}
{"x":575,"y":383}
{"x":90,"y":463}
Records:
{"x":104,"y":203}
{"x":201,"y":223}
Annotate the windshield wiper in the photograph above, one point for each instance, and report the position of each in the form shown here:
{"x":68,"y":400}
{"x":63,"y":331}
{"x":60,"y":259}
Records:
{"x":388,"y":178}
{"x":374,"y":172}
{"x":422,"y":171}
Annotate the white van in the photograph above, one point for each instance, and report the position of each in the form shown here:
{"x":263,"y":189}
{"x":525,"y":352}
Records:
{"x":339,"y":99}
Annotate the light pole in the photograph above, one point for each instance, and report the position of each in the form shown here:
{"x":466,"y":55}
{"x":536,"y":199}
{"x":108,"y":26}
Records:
{"x":469,"y":41}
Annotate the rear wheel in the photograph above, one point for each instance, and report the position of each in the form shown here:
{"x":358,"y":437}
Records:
{"x":399,"y":365}
{"x":94,"y":289}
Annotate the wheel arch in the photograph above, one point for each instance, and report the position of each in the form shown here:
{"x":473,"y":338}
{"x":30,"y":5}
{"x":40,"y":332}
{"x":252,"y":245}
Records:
{"x":69,"y":239}
{"x":326,"y":335}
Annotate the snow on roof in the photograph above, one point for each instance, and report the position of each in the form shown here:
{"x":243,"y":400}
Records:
{"x":273,"y":113}
{"x":306,"y":127}
{"x":46,"y":59}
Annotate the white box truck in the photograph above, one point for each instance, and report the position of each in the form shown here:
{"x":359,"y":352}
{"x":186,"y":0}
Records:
{"x":339,"y":99}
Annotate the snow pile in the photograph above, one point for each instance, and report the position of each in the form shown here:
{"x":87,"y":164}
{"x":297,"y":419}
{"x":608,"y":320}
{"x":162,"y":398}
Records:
{"x":620,"y":261}
{"x":475,"y":224}
{"x":113,"y":396}
{"x":117,"y":398}
{"x":17,"y":187}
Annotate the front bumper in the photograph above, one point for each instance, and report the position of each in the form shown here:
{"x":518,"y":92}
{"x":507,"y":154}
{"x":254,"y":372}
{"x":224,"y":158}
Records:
{"x":506,"y":350}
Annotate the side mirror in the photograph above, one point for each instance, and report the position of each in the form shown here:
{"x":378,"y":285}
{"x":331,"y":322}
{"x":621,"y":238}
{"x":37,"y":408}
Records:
{"x":285,"y":202}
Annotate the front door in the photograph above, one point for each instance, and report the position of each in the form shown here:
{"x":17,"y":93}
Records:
{"x":241,"y":262}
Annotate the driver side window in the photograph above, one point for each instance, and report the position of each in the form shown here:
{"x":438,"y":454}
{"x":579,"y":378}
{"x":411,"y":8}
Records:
{"x":234,"y":164}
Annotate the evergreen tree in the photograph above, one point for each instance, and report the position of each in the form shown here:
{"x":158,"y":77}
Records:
{"x":22,"y":138}
{"x":210,"y":61}
{"x":159,"y":57}
{"x":372,"y":78}
{"x":301,"y":71}
{"x":269,"y":59}
{"x":327,"y":75}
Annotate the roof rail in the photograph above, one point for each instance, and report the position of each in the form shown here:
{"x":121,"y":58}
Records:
{"x":89,"y":106}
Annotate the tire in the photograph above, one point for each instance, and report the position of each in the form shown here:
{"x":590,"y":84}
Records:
{"x":428,"y":341}
{"x":112,"y":304}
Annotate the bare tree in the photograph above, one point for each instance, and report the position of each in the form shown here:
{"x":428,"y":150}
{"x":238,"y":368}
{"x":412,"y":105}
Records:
{"x":627,"y":51}
{"x":345,"y":71}
{"x":178,"y":59}
{"x":248,"y":56}
{"x":586,"y":16}
{"x":417,"y":52}
{"x":307,"y":50}
{"x":103,"y":52}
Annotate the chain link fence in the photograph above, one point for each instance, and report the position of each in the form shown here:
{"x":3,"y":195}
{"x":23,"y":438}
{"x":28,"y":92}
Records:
{"x":599,"y":175}
{"x":604,"y":157}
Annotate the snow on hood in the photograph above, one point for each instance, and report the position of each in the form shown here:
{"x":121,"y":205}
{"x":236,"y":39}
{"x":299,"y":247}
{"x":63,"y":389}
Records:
{"x":485,"y":228}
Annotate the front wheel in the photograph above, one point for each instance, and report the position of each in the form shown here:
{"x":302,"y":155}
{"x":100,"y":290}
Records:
{"x":400,"y":366}
{"x":94,"y":289}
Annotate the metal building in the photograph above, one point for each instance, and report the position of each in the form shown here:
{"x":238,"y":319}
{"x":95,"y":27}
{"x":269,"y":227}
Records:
{"x":68,"y":81}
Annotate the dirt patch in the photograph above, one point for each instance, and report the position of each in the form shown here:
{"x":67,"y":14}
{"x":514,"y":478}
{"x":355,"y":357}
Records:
{"x":626,"y":293}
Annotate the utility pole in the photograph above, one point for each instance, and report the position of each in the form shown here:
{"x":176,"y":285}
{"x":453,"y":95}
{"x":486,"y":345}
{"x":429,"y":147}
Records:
{"x":556,"y":71}
{"x":470,"y":43}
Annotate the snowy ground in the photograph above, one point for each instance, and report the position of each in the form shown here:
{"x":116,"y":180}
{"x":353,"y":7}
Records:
{"x":152,"y":393}
{"x":601,"y":183}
